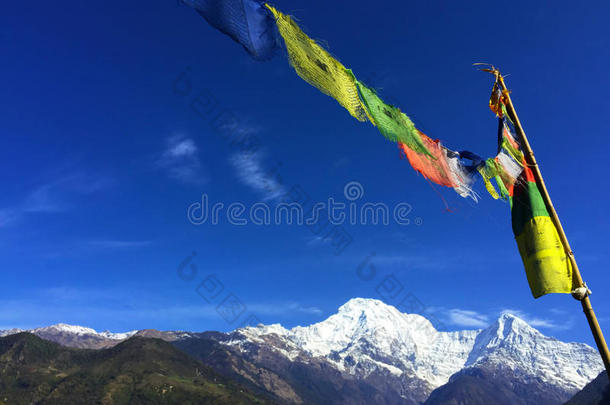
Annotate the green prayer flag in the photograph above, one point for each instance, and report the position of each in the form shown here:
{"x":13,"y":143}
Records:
{"x":392,"y":123}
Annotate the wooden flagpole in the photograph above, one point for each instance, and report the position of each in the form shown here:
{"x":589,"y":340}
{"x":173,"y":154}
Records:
{"x":577,"y":278}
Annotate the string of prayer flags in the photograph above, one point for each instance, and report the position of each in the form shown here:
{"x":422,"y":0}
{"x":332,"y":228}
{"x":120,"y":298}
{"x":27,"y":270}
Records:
{"x":247,"y":22}
{"x":253,"y":24}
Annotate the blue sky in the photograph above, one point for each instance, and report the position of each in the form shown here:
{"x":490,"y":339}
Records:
{"x":101,"y":158}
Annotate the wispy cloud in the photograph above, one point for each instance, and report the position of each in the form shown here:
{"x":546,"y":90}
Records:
{"x":26,"y":315}
{"x":44,"y":199}
{"x":55,"y":196}
{"x":241,"y":131}
{"x":467,"y":318}
{"x":7,"y":216}
{"x":180,"y":160}
{"x":473,"y":319}
{"x":428,"y":261}
{"x":250,"y":171}
{"x":314,"y":240}
{"x":341,"y":162}
{"x":537,"y":322}
{"x":119,"y":244}
{"x":130,"y":308}
{"x":283,"y":309}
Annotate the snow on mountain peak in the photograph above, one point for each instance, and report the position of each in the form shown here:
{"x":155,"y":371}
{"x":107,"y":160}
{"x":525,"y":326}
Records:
{"x":255,"y":332}
{"x":359,"y":319}
{"x":81,"y":331}
{"x":367,"y":335}
{"x":508,"y":323}
{"x":511,"y":343}
{"x":63,"y":327}
{"x":362,"y":304}
{"x":13,"y":331}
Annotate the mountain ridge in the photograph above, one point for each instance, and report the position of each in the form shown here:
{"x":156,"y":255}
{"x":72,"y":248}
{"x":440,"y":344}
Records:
{"x":136,"y":371}
{"x":379,"y":352}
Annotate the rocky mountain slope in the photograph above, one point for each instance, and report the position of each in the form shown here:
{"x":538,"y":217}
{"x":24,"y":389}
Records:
{"x":137,"y":371}
{"x":369,"y":352}
{"x":301,"y":380}
{"x":597,"y":392}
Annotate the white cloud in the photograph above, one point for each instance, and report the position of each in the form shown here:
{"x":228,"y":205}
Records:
{"x":539,"y":322}
{"x":44,"y":199}
{"x":7,"y":216}
{"x":467,"y":318}
{"x":250,"y":171}
{"x":180,"y":160}
{"x":55,"y":196}
{"x":431,"y":261}
{"x":283,"y":309}
{"x":132,"y":307}
{"x":119,"y":244}
{"x":474,"y":319}
{"x":25,"y":314}
{"x":314,"y":240}
{"x":343,"y":161}
{"x":306,"y":310}
{"x":181,"y":148}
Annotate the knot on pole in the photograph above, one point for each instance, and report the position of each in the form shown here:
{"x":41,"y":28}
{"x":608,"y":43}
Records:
{"x":581,"y":292}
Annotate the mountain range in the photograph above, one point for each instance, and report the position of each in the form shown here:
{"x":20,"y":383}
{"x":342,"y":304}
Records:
{"x":135,"y":371}
{"x":371,"y":353}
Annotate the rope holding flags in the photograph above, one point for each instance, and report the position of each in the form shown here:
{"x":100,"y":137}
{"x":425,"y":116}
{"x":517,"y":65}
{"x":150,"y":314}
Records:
{"x":257,"y":26}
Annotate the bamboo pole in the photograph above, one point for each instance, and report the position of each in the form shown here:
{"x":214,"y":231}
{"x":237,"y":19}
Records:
{"x":577,"y":278}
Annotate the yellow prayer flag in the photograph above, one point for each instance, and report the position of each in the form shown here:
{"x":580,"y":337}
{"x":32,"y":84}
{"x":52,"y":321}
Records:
{"x":318,"y":68}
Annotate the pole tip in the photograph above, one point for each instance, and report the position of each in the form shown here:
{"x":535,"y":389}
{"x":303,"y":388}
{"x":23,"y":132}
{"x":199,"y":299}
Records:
{"x":490,"y":69}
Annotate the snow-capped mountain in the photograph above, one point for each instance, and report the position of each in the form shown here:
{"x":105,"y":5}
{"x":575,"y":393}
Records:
{"x":370,"y":352}
{"x":366,"y":335}
{"x":370,"y":340}
{"x":82,"y":331}
{"x":511,"y":344}
{"x":6,"y":332}
{"x":75,"y":336}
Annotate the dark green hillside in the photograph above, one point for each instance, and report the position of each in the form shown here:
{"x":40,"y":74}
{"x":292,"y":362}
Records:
{"x":137,"y":371}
